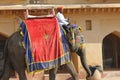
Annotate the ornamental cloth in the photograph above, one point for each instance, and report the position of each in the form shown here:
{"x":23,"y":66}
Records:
{"x":45,"y":48}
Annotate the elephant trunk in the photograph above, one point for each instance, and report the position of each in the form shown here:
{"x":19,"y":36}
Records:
{"x":81,"y":53}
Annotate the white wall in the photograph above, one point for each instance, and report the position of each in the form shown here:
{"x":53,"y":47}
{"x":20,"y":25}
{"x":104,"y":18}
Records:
{"x":8,"y":24}
{"x":102,"y":25}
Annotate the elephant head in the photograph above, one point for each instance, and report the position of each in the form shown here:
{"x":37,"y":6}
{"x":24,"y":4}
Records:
{"x":70,"y":38}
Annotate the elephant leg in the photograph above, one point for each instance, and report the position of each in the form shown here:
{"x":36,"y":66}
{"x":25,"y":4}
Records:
{"x":71,"y":69}
{"x":20,"y":69}
{"x":82,"y":54}
{"x":52,"y":73}
{"x":7,"y":71}
{"x":22,"y":75}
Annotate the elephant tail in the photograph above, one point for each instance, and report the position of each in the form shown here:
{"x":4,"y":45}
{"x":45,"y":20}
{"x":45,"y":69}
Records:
{"x":6,"y":49}
{"x":2,"y":59}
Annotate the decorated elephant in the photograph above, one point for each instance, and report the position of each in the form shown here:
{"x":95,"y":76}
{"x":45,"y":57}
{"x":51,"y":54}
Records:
{"x":14,"y":58}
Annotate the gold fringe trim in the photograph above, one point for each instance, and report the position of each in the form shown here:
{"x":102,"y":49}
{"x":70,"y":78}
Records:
{"x":33,"y":72}
{"x":23,"y":45}
{"x":63,"y":30}
{"x":21,"y":33}
{"x":80,"y":28}
{"x":83,"y":46}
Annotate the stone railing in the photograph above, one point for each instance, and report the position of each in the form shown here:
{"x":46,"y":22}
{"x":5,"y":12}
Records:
{"x":36,"y":1}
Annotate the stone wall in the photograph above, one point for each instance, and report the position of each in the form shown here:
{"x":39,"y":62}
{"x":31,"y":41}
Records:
{"x":12,"y":2}
{"x":56,"y":1}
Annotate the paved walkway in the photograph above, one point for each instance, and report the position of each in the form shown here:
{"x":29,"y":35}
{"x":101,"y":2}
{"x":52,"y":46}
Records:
{"x":107,"y":75}
{"x":112,"y":78}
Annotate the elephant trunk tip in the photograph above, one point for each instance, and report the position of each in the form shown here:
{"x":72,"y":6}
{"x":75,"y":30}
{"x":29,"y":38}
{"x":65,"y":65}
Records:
{"x":97,"y":67}
{"x":96,"y":72}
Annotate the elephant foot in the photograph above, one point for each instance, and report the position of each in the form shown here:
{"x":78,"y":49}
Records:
{"x":87,"y":78}
{"x":96,"y":76}
{"x":89,"y":75}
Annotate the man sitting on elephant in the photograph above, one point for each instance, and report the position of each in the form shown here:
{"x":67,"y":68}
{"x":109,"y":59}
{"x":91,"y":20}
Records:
{"x":61,"y":19}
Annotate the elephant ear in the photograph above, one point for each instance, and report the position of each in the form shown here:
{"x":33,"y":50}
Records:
{"x":70,"y":38}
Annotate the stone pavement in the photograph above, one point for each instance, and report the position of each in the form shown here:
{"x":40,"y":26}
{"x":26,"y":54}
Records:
{"x":111,"y":75}
{"x":112,"y":78}
{"x":107,"y":75}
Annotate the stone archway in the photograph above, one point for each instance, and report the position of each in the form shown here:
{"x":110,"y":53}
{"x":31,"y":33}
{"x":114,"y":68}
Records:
{"x":111,"y":51}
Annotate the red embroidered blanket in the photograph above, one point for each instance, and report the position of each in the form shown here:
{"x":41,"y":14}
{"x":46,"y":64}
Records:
{"x":46,"y":46}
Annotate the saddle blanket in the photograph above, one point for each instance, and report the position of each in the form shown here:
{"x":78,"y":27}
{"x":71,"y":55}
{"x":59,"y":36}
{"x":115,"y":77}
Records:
{"x":45,"y":48}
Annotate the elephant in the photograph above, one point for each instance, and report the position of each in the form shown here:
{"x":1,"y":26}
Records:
{"x":14,"y":55}
{"x":15,"y":60}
